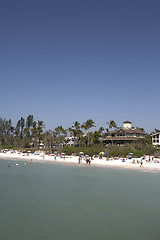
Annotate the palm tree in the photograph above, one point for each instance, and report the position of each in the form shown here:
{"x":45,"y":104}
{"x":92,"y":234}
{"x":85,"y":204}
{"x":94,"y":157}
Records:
{"x":96,"y":137}
{"x":76,"y":132}
{"x":87,"y":125}
{"x":76,"y":125}
{"x":48,"y":138}
{"x":29,"y":121}
{"x":18,"y":126}
{"x":111,"y":124}
{"x":40,"y":127}
{"x":22,"y":123}
{"x":101,"y":129}
{"x":70,"y":131}
{"x":142,"y":129}
{"x":60,"y":130}
{"x":34,"y":133}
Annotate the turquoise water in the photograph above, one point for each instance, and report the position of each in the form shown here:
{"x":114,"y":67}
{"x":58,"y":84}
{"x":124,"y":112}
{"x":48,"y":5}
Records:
{"x":66,"y":202}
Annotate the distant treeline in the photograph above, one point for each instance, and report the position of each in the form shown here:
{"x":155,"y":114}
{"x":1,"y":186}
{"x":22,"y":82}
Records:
{"x":29,"y":133}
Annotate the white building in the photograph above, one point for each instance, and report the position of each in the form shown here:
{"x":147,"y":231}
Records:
{"x":156,"y":139}
{"x":71,"y":141}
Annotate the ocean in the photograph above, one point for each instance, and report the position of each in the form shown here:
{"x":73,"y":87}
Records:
{"x":77,"y":202}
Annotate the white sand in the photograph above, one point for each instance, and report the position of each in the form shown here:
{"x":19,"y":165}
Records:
{"x":17,"y":156}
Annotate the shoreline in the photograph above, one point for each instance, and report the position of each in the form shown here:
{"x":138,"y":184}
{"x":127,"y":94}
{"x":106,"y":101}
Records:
{"x":74,"y":160}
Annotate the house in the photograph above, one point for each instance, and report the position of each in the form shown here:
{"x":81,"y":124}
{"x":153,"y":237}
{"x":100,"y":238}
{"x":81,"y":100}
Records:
{"x":71,"y":141}
{"x":156,"y":139}
{"x":126,"y":134}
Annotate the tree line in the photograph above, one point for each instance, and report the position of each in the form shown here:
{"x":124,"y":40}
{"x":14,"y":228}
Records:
{"x":29,"y":133}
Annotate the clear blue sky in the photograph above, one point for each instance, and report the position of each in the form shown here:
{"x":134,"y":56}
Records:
{"x":64,"y":61}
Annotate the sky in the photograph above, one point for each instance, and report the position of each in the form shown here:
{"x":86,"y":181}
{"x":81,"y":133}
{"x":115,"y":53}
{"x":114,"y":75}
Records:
{"x":64,"y":61}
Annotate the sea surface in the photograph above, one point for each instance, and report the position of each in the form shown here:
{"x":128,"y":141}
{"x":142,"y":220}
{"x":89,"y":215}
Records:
{"x":76,"y":202}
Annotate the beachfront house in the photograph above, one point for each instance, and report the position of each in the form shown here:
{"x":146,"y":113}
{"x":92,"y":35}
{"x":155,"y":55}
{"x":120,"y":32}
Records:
{"x":125,"y":134}
{"x":71,"y":141}
{"x":156,"y":139}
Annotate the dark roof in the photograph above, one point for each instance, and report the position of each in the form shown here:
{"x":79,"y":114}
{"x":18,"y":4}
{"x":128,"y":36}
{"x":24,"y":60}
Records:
{"x":126,"y":130}
{"x":127,"y":122}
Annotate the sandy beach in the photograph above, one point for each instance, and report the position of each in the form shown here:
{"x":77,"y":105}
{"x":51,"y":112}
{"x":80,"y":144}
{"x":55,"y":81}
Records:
{"x":110,"y":162}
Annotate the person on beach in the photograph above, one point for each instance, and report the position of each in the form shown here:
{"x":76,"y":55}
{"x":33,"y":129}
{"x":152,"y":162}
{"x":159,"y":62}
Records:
{"x":88,"y":161}
{"x":55,"y":157}
{"x":141,"y":163}
{"x":79,"y":160}
{"x":9,"y":164}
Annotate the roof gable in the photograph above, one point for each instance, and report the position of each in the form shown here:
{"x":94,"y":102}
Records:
{"x":155,"y":134}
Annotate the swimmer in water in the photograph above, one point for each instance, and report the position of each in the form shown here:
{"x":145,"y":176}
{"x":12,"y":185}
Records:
{"x":9,"y":164}
{"x":31,"y":162}
{"x":25,"y":163}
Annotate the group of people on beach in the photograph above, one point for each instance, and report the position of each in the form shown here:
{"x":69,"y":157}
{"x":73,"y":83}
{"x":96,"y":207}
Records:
{"x":88,"y":160}
{"x":150,"y":160}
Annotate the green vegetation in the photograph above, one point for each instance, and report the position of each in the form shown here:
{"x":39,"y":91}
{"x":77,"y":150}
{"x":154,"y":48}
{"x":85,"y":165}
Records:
{"x":86,"y":150}
{"x":31,"y":134}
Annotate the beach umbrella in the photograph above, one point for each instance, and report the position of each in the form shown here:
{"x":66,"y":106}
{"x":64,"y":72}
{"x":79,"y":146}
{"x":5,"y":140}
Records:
{"x":86,"y":155}
{"x":62,"y":153}
{"x":131,"y":153}
{"x":102,"y":153}
{"x":81,"y":152}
